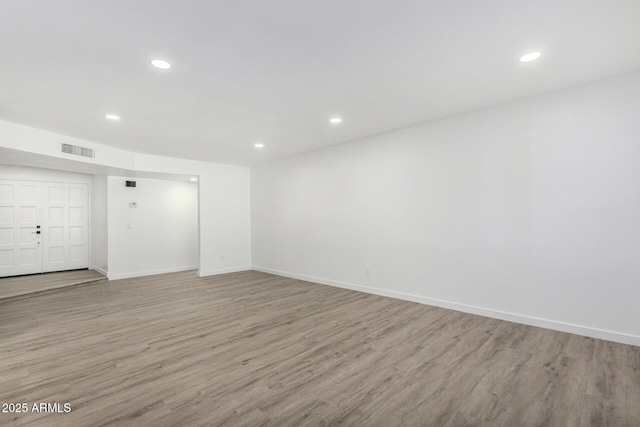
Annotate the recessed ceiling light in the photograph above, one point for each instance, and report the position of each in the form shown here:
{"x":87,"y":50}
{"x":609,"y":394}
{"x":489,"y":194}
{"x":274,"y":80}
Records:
{"x":160,"y":63}
{"x":112,"y":117}
{"x":335,"y":120}
{"x":530,"y":57}
{"x":194,"y":179}
{"x":258,"y":145}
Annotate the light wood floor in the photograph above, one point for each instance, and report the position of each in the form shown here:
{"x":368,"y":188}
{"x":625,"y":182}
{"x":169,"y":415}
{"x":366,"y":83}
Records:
{"x":251,"y":349}
{"x":11,"y":287}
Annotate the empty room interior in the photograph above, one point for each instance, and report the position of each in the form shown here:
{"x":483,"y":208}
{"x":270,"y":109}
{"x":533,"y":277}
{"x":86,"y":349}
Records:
{"x":320,"y":213}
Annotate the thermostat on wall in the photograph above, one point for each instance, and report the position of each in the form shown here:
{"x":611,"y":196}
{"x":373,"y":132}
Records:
{"x":130,"y":184}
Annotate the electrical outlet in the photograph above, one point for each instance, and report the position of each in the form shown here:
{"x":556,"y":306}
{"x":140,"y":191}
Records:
{"x":366,"y":271}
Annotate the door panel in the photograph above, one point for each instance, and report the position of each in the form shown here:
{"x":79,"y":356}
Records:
{"x":78,"y":233}
{"x":20,"y":216}
{"x":65,"y":236}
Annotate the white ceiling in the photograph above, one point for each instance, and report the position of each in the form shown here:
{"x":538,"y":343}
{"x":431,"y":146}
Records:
{"x":275,"y":71}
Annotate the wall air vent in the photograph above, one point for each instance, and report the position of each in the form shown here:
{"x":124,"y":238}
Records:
{"x":77,"y":151}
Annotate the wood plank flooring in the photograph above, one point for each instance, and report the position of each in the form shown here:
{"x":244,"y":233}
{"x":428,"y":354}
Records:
{"x":24,"y":285}
{"x":253,"y":349}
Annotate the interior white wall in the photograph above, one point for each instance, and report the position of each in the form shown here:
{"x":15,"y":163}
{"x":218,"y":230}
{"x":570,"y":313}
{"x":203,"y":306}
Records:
{"x":23,"y":173}
{"x":99,"y":225}
{"x":526,"y":211}
{"x":225,"y":222}
{"x":38,"y":141}
{"x":225,"y":242}
{"x":160,"y":235}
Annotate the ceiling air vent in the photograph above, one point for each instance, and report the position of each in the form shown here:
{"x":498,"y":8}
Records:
{"x":77,"y":151}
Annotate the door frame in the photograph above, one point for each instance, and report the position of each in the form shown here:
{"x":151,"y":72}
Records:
{"x":32,"y":174}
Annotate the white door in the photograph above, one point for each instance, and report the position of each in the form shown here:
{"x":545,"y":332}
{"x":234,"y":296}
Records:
{"x":65,"y":227}
{"x":43,"y":227}
{"x":20,"y":222}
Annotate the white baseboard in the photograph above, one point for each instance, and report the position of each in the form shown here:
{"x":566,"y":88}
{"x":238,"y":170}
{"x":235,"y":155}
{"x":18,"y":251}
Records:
{"x":203,"y":273}
{"x":119,"y":276}
{"x":471,"y":309}
{"x":100,"y":270}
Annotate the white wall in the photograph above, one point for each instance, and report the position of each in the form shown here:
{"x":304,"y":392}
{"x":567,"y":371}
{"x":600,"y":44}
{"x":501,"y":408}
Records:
{"x":527,"y":211}
{"x":23,"y":173}
{"x":225,"y":242}
{"x":99,"y":225}
{"x":25,"y":138}
{"x":160,"y":235}
{"x":225,"y":230}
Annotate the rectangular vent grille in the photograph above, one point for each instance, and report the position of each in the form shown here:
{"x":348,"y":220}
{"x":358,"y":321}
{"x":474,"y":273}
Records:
{"x":77,"y":151}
